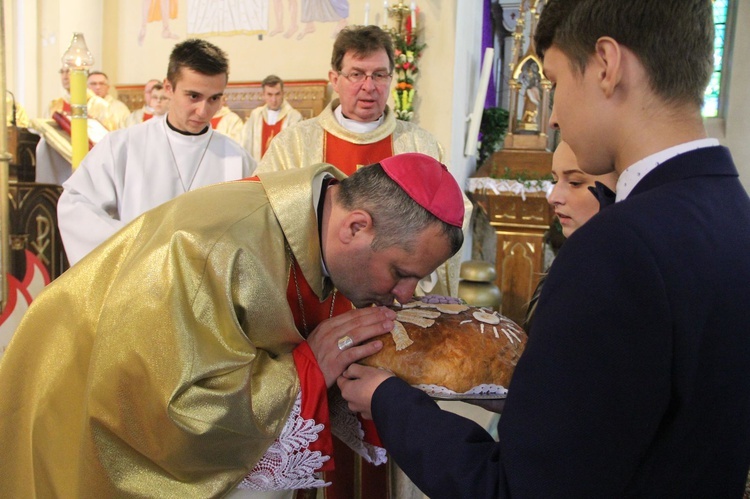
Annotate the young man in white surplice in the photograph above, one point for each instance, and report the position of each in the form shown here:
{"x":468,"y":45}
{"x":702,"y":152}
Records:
{"x":138,"y":168}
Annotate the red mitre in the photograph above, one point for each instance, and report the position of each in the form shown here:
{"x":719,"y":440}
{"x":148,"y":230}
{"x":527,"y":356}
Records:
{"x":429,"y":183}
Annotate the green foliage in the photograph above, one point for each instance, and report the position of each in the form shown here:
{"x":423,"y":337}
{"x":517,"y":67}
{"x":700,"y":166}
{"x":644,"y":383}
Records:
{"x":493,"y":128}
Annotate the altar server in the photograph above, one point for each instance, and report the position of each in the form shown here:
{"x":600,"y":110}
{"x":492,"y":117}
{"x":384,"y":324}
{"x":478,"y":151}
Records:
{"x":138,"y":168}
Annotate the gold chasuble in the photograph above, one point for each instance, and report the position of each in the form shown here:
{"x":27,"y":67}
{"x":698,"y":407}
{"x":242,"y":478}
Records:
{"x":161,"y":364}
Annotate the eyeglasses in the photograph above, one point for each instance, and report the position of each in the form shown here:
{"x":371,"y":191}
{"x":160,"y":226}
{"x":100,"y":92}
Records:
{"x":378,"y":77}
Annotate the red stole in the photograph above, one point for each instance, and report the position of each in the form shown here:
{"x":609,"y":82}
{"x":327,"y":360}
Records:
{"x":347,"y":156}
{"x":351,"y":471}
{"x":215,"y":122}
{"x":315,"y":311}
{"x":268,"y":133}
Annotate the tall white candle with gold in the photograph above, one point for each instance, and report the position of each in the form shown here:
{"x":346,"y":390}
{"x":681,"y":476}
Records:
{"x":79,"y":134}
{"x":78,"y":59}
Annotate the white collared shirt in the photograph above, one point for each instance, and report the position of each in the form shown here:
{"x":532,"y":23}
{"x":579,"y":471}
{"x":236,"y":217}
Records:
{"x":633,"y":174}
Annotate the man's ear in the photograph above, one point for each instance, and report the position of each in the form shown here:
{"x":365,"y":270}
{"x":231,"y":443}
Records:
{"x":333,"y":77}
{"x":608,"y":62}
{"x":168,"y":87}
{"x":356,"y":226}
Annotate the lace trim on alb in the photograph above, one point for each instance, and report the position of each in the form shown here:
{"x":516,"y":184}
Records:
{"x":289,"y":464}
{"x":346,"y":426}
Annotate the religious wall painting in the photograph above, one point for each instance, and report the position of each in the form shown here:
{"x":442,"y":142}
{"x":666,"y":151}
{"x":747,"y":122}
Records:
{"x":227,"y":17}
{"x":292,"y":19}
{"x":160,"y":11}
{"x":303,"y":14}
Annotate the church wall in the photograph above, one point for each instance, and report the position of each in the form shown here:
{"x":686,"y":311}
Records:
{"x":252,"y":57}
{"x":38,"y":32}
{"x":48,"y":28}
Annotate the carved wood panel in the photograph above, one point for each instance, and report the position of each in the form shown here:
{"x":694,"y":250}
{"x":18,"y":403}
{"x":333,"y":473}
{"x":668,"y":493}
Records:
{"x":33,"y":227}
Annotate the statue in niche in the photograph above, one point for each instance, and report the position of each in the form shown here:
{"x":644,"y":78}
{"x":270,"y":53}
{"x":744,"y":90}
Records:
{"x":529,"y":113}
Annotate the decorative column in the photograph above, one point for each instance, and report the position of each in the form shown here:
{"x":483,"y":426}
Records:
{"x":4,"y":166}
{"x":78,"y":59}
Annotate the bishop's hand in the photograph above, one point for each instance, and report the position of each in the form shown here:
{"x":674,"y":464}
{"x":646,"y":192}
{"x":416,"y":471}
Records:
{"x":339,"y":341}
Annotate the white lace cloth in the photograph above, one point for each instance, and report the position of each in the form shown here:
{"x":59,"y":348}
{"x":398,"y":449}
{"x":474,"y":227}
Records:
{"x":289,"y":463}
{"x":497,"y":186}
{"x":346,"y":426}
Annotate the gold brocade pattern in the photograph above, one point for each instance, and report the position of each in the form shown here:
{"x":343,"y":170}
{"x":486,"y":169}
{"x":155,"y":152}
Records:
{"x":302,"y":145}
{"x":161,"y":363}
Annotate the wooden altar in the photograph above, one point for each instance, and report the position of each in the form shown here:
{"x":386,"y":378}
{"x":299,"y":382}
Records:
{"x":520,"y":216}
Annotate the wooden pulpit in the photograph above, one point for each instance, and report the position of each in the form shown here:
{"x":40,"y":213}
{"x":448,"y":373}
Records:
{"x":32,"y":210}
{"x":518,"y":212}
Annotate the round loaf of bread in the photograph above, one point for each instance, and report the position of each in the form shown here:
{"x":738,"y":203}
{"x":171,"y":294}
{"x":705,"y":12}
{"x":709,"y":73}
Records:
{"x":452,"y":346}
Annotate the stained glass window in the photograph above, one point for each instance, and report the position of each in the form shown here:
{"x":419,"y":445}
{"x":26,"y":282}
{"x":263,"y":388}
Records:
{"x":712,"y":99}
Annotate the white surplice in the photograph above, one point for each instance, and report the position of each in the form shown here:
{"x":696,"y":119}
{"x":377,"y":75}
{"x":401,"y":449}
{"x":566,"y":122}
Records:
{"x":138,"y":168}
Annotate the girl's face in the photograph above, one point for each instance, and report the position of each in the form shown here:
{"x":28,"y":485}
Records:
{"x":574,"y":204}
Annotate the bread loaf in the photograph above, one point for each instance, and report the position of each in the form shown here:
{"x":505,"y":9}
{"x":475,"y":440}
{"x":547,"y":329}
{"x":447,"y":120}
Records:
{"x":453,"y":346}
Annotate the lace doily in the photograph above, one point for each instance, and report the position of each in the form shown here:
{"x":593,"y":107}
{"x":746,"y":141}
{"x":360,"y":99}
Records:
{"x":478,"y":392}
{"x":288,"y":463}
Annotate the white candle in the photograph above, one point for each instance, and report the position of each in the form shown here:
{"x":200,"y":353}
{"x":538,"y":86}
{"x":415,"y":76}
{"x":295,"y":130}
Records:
{"x":414,"y":17}
{"x":476,"y":116}
{"x":385,"y":13}
{"x":367,"y":13}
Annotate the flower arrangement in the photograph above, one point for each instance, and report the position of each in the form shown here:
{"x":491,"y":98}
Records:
{"x":407,"y":51}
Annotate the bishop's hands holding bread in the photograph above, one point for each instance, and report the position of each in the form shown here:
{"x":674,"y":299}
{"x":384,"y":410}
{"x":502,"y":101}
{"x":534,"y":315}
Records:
{"x":359,"y":325}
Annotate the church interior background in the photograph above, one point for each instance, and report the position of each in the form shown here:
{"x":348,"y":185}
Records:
{"x":132,"y":46}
